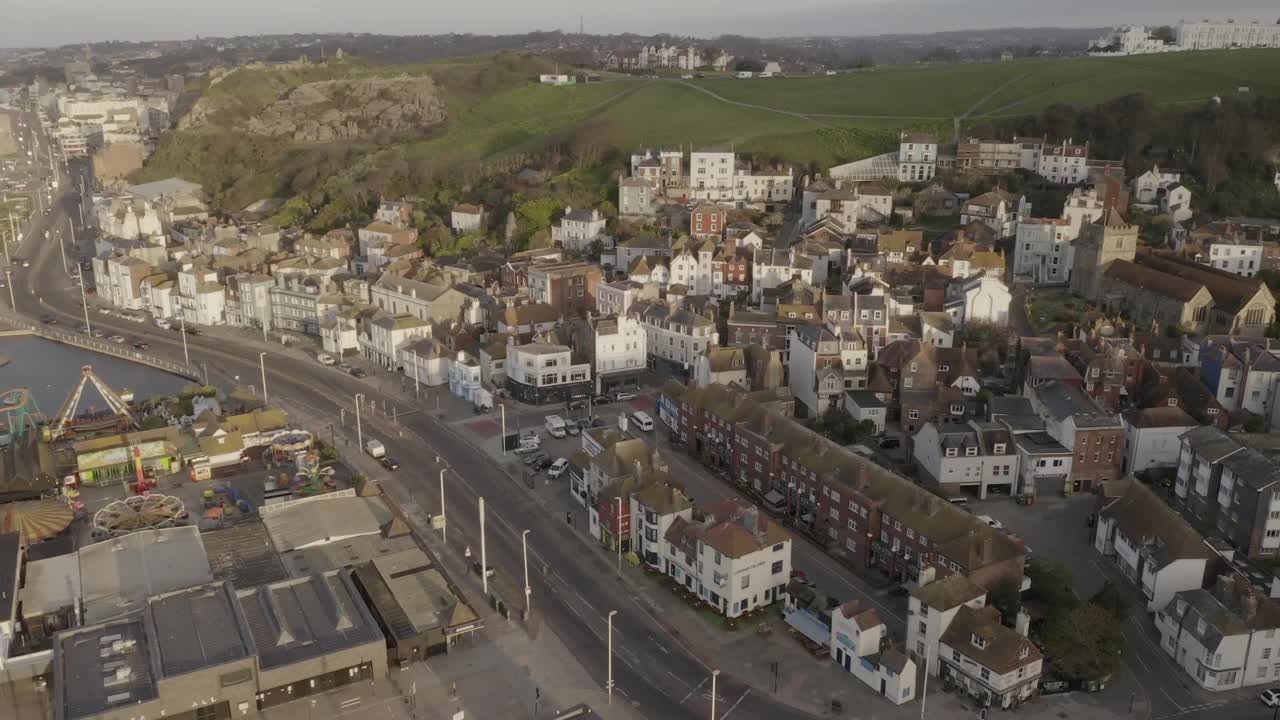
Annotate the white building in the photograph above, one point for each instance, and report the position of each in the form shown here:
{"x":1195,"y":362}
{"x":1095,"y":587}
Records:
{"x":736,"y":559}
{"x":979,"y":299}
{"x":201,"y":298}
{"x":1152,"y":437}
{"x":1151,"y":544}
{"x":654,"y":508}
{"x":675,"y":336}
{"x":466,"y":218}
{"x":1207,"y":35}
{"x":1065,"y":164}
{"x":1042,"y":250}
{"x":1224,"y":638}
{"x":1237,"y":254}
{"x":998,"y":210}
{"x":917,"y":157}
{"x":1129,"y":40}
{"x":1175,"y":202}
{"x":691,"y":266}
{"x":542,"y":372}
{"x":770,"y":267}
{"x":464,"y":377}
{"x":382,"y":334}
{"x":866,"y":405}
{"x":619,"y":349}
{"x":636,"y":197}
{"x":962,"y":639}
{"x":1147,"y":186}
{"x":711,"y":174}
{"x":857,"y":635}
{"x":976,"y":457}
{"x":119,"y":280}
{"x":577,"y":229}
{"x":1083,"y":207}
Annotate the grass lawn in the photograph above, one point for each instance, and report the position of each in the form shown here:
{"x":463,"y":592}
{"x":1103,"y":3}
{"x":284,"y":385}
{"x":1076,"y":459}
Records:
{"x":1021,"y":87}
{"x":1055,"y":309}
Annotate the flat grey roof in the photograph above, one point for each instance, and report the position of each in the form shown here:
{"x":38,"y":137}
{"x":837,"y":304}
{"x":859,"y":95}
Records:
{"x":10,"y":548}
{"x":198,"y":627}
{"x":323,"y":519}
{"x":117,"y":575}
{"x":101,"y":667}
{"x":243,"y":554}
{"x":52,"y":584}
{"x":304,"y":618}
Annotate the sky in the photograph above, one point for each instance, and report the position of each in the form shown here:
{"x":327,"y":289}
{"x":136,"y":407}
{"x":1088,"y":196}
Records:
{"x":26,"y":23}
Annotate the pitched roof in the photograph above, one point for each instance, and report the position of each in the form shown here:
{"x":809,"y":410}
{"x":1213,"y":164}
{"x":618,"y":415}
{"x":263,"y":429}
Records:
{"x":949,"y":592}
{"x":1153,"y":280}
{"x":1149,"y":521}
{"x":1003,"y":649}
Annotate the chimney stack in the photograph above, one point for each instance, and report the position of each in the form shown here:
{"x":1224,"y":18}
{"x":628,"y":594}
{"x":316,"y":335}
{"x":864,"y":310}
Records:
{"x":1022,"y":623}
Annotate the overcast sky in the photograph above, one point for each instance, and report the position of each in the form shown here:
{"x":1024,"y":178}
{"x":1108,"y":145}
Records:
{"x":57,"y":22}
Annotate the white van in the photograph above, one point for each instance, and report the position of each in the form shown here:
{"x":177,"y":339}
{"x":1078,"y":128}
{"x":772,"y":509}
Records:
{"x":325,"y":359}
{"x":374,"y":448}
{"x":162,"y":323}
{"x":642,"y":420}
{"x":555,"y":426}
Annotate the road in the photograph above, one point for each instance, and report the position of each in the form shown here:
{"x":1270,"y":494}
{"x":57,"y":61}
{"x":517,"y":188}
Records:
{"x":653,"y":671}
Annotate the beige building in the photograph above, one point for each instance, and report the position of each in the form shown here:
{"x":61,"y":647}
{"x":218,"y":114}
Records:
{"x":1107,"y":239}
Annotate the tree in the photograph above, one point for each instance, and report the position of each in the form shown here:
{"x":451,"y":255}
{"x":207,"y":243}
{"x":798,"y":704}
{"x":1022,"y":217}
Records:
{"x":1113,"y":600}
{"x":1164,"y":32}
{"x":1051,"y":584}
{"x":154,"y":422}
{"x":1006,"y":596}
{"x":1084,"y":643}
{"x":1254,"y":424}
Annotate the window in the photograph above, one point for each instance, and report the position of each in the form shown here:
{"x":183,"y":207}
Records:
{"x":955,"y":655}
{"x":986,"y":674}
{"x":834,"y":513}
{"x":915,"y":415}
{"x":746,"y":581}
{"x":853,"y":525}
{"x":971,"y":452}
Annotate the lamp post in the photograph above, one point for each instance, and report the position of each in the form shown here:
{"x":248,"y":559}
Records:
{"x":205,"y":368}
{"x":84,"y":304}
{"x":262,"y":365}
{"x":609,"y":684}
{"x":484,"y":555}
{"x":524,"y":551}
{"x":359,"y":433}
{"x":62,"y":245}
{"x":924,"y":690}
{"x":444,"y":520}
{"x":182,"y":319}
{"x":618,"y":537}
{"x":13,"y":305}
{"x":714,"y":674}
{"x":503,"y":407}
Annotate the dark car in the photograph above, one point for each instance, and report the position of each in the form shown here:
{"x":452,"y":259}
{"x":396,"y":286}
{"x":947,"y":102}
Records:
{"x":899,"y":591}
{"x":389,"y":463}
{"x":601,"y":400}
{"x":141,"y":345}
{"x":543,"y":464}
{"x":49,"y":320}
{"x":577,"y":404}
{"x":192,"y":331}
{"x":358,"y":372}
{"x":533,"y":460}
{"x":890,"y":443}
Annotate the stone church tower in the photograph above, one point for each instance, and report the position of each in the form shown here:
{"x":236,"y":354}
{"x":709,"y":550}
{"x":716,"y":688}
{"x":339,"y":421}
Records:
{"x":1107,"y":239}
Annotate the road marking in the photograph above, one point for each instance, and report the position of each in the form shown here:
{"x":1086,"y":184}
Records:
{"x":686,"y":648}
{"x":735,"y":705}
{"x":694,"y":690}
{"x":1175,"y":702}
{"x":677,"y":677}
{"x":661,"y":647}
{"x":1144,"y":662}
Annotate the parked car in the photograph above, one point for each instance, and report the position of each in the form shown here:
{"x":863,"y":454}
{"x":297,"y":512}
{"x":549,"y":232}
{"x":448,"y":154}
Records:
{"x":325,"y":359}
{"x":890,"y":443}
{"x":1270,"y":697}
{"x":117,"y":339}
{"x":558,"y":468}
{"x":535,"y":458}
{"x":576,"y":404}
{"x":571,"y":427}
{"x":191,"y":331}
{"x":358,"y":372}
{"x":621,"y":396}
{"x":543,"y":464}
{"x":49,"y":320}
{"x":142,"y":346}
{"x":162,"y":323}
{"x":344,"y":366}
{"x":389,"y":463}
{"x":601,"y":400}
{"x":104,"y":311}
{"x":99,"y":334}
{"x":991,"y":521}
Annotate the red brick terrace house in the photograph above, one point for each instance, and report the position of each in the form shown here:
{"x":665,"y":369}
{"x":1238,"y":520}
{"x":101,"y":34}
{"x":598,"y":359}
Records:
{"x":866,"y":515}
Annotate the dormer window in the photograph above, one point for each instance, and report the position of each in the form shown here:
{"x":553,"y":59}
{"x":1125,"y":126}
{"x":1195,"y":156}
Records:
{"x":944,"y":368}
{"x":998,"y":449}
{"x":978,"y":641}
{"x":952,"y":452}
{"x":1023,"y":653}
{"x":971,"y":452}
{"x":957,"y":409}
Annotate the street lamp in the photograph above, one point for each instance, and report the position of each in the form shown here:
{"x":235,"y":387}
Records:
{"x":182,"y":318}
{"x":714,"y":674}
{"x":618,"y":537}
{"x":262,"y":364}
{"x":524,"y":550}
{"x":13,"y":304}
{"x":444,"y":520}
{"x":359,"y":433}
{"x":609,"y":684}
{"x":484,"y":553}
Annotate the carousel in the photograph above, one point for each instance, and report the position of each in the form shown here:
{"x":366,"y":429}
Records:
{"x":139,"y":512}
{"x":36,"y":520}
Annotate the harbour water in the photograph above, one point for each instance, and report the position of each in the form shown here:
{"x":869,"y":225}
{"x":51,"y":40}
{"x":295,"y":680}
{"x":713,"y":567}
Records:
{"x":51,"y":370}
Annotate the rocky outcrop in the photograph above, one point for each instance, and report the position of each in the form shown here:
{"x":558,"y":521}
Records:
{"x":352,"y":109}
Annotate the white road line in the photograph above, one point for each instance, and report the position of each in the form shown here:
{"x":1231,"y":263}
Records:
{"x":694,"y":690}
{"x":677,"y":677}
{"x":1175,"y":702}
{"x":686,"y":648}
{"x":1144,"y":662}
{"x":735,"y":705}
{"x":661,"y":647}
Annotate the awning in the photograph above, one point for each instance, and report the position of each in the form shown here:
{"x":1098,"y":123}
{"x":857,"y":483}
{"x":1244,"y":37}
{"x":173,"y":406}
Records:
{"x":808,"y":625}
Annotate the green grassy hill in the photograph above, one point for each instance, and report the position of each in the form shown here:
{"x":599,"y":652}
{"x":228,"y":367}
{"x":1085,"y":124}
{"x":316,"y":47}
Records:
{"x":496,"y":109}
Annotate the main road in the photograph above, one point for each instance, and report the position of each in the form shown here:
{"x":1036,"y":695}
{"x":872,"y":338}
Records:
{"x":653,"y":670}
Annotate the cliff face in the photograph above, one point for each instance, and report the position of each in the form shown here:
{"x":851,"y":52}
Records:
{"x":330,"y":110}
{"x":351,"y":109}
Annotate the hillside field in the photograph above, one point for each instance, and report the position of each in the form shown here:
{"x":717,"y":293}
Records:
{"x":496,"y":110}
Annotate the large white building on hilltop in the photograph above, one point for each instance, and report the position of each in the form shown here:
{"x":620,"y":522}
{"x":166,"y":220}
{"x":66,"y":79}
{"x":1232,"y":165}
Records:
{"x":1227,"y":34}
